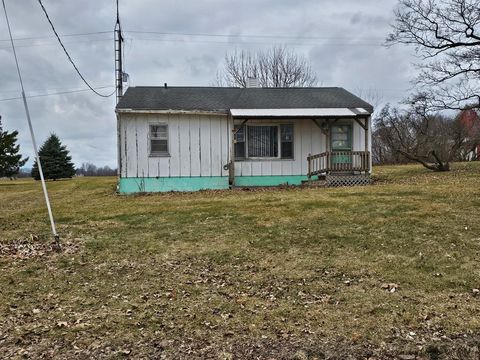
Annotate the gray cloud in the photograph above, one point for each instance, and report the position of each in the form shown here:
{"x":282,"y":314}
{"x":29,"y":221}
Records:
{"x":348,"y":53}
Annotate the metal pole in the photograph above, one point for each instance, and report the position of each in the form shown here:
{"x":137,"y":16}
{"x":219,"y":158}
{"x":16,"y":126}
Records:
{"x":118,"y":63}
{"x":32,"y":134}
{"x":118,"y":39}
{"x":118,"y":58}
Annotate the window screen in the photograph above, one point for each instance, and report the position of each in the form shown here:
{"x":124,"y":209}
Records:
{"x":287,"y":141}
{"x":262,"y":141}
{"x":239,"y":142}
{"x":159,"y":139}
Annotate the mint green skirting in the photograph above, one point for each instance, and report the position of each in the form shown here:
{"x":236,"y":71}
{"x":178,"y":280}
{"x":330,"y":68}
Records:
{"x":164,"y":184}
{"x":139,"y":185}
{"x":269,"y":180}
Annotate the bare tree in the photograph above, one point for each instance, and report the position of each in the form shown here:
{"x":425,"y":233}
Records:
{"x":430,"y":139}
{"x":277,"y":67}
{"x":445,"y":34}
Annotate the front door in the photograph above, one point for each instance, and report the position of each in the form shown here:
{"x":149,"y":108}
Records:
{"x":341,"y":146}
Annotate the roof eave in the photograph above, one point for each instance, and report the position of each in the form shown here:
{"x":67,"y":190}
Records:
{"x":170,"y":111}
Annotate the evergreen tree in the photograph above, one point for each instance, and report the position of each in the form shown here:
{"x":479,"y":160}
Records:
{"x":10,"y":159}
{"x":56,"y":163}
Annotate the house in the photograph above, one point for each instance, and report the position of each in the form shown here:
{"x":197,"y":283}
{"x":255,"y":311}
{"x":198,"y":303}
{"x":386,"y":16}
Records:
{"x":194,"y":138}
{"x":470,"y":122}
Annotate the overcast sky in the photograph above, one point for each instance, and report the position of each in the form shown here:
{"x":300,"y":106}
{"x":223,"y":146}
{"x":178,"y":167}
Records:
{"x":345,"y":50}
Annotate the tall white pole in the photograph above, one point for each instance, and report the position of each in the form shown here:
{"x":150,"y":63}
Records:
{"x":32,"y":134}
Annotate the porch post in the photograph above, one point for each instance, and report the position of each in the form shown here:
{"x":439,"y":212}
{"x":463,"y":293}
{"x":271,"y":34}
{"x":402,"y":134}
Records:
{"x":368,"y":156}
{"x":231,"y":167}
{"x":329,"y":145}
{"x":327,"y":134}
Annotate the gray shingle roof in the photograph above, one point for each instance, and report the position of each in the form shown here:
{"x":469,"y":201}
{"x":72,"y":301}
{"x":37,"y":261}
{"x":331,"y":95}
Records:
{"x":222,"y":98}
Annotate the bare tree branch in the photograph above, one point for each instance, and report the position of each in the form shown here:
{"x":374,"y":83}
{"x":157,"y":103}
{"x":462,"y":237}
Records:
{"x":432,"y":140}
{"x":445,"y":34}
{"x":277,"y":67}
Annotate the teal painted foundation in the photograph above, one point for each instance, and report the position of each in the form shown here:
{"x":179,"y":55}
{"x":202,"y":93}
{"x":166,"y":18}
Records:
{"x":139,"y":185}
{"x":187,"y":184}
{"x":269,"y":180}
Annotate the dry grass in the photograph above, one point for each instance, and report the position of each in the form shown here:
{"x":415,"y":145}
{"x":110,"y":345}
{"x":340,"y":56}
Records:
{"x":244,"y":274}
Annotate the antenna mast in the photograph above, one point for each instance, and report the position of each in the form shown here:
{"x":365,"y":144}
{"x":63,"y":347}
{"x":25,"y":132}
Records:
{"x":118,"y":58}
{"x":32,"y":134}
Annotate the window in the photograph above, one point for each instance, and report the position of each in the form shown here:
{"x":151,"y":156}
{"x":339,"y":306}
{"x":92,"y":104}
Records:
{"x":159,"y":139}
{"x":264,"y":141}
{"x":287,"y":141}
{"x":240,"y":142}
{"x":341,"y":137}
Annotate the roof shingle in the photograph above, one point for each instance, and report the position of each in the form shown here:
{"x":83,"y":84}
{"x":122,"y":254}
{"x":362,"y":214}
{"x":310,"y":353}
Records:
{"x":222,"y":98}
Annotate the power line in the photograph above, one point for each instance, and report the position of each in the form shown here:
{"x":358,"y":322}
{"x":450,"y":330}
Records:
{"x":50,"y":44}
{"x":57,"y":93}
{"x":345,"y":41}
{"x":63,"y":88}
{"x":63,"y":35}
{"x":292,"y":37}
{"x":232,"y":39}
{"x":68,"y":55}
{"x":253,"y":42}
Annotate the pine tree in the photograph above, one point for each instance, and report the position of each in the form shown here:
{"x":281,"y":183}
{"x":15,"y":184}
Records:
{"x":10,"y":159}
{"x":56,"y":163}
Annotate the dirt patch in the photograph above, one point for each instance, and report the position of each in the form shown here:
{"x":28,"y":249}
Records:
{"x":34,"y":247}
{"x":456,"y":347}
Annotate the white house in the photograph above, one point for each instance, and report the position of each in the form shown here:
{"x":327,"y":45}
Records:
{"x":194,"y":138}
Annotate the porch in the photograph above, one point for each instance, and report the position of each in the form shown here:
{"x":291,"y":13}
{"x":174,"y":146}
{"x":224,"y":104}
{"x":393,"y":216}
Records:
{"x":338,"y":162}
{"x":298,"y":148}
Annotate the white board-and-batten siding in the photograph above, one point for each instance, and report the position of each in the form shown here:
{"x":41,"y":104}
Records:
{"x":198,"y":146}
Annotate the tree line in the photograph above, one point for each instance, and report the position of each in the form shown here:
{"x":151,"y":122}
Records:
{"x":89,"y":169}
{"x":55,"y":160}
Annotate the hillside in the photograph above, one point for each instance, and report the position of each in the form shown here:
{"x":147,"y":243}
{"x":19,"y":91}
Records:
{"x":378,"y":271}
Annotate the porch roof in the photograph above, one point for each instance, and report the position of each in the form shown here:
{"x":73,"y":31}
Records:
{"x":299,"y":113}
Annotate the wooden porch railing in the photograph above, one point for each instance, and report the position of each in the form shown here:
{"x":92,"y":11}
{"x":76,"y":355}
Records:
{"x":338,"y":161}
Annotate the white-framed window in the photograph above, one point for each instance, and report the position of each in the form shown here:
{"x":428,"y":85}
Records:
{"x":158,"y":139}
{"x":259,"y":141}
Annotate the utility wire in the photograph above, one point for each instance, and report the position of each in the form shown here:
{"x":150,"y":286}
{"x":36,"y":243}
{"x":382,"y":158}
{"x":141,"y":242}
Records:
{"x":57,"y":93}
{"x":292,"y":37}
{"x":198,"y":41}
{"x":50,"y":44}
{"x":68,"y":55}
{"x":338,"y":40}
{"x":63,"y":88}
{"x":254,"y":36}
{"x":53,"y":36}
{"x":34,"y":143}
{"x":230,"y":43}
{"x":233,"y":39}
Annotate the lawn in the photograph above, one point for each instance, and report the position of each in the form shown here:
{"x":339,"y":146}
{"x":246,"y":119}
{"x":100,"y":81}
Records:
{"x":369,"y":272}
